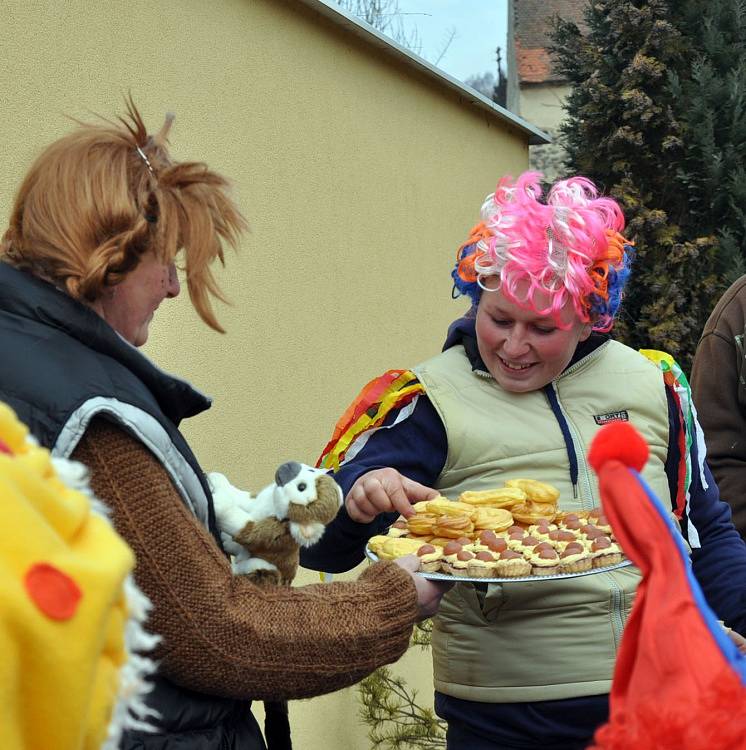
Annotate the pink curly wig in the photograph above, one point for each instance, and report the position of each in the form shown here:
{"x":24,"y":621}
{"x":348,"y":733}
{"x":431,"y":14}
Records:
{"x":568,"y":247}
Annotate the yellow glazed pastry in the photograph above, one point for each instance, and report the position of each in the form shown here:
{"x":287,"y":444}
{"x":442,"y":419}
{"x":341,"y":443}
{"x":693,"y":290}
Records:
{"x":439,"y":541}
{"x":442,"y":506}
{"x":421,"y":524}
{"x":375,"y":543}
{"x":453,"y":526}
{"x":398,"y":547}
{"x":538,"y":492}
{"x":503,"y":497}
{"x":495,"y":519}
{"x":531,"y":512}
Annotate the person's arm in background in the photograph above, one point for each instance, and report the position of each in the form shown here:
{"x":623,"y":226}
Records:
{"x":222,"y":634}
{"x":416,"y":449}
{"x":719,"y":563}
{"x":715,"y":390}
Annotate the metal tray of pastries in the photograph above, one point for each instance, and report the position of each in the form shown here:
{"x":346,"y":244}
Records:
{"x":510,"y":534}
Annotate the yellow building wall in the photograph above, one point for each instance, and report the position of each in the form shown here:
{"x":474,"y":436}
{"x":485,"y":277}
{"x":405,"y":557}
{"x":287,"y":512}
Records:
{"x":543,"y":105}
{"x":359,"y":178}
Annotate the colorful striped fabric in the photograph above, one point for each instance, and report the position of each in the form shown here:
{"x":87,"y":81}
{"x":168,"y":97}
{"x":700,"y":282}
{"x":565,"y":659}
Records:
{"x":677,"y":384}
{"x":392,"y":390}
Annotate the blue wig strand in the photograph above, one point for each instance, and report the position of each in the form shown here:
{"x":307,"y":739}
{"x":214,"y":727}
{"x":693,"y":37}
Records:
{"x":460,"y":286}
{"x":606,"y":309}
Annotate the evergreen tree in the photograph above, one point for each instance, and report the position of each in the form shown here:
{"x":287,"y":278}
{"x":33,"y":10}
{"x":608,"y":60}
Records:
{"x":712,"y":100}
{"x":656,"y":117}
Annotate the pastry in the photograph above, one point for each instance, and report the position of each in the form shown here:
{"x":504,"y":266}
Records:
{"x":430,"y":558}
{"x":537,"y":492}
{"x":443,"y":506}
{"x":450,"y":551}
{"x":603,"y":523}
{"x":395,"y":547}
{"x":398,"y":528}
{"x":512,"y":564}
{"x":453,"y":526}
{"x":498,"y":545}
{"x":503,"y":497}
{"x":515,"y":540}
{"x":531,"y":512}
{"x":542,"y":528}
{"x":375,"y":543}
{"x":459,"y":565}
{"x":482,"y":565}
{"x":560,"y":538}
{"x":605,"y":552}
{"x":421,"y":524}
{"x":439,"y":541}
{"x":496,"y":519}
{"x":574,"y":559}
{"x":571,"y":521}
{"x":591,"y":532}
{"x":544,"y":560}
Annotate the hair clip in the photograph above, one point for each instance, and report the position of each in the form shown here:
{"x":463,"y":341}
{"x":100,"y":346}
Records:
{"x":146,"y":160}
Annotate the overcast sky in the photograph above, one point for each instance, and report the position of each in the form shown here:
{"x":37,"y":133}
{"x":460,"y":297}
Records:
{"x":480,"y":25}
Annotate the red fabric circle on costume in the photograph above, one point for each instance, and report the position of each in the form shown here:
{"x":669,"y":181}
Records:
{"x":54,"y":592}
{"x":5,"y":449}
{"x":619,"y":440}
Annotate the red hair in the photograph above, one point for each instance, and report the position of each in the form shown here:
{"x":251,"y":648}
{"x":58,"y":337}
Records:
{"x":98,"y":198}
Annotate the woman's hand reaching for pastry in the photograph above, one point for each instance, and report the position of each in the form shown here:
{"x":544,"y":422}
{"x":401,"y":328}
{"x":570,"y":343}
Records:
{"x":429,"y":593}
{"x":384,"y":491}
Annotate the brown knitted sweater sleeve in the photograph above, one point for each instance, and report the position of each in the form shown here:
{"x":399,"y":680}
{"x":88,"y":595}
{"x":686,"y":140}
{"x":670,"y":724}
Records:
{"x":221,"y":634}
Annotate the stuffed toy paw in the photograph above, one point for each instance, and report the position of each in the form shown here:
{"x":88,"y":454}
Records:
{"x":265,"y":532}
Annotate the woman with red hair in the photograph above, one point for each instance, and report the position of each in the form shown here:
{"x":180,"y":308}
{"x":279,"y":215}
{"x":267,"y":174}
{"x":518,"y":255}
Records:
{"x":90,"y":253}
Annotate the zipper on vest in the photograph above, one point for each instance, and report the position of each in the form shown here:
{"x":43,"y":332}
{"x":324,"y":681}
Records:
{"x":617,"y":618}
{"x":579,"y":470}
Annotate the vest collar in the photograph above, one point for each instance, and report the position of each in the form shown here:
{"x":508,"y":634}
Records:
{"x":29,"y":297}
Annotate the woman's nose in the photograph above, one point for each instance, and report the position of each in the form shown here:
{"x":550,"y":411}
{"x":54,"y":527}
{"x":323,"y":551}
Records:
{"x":174,"y":286}
{"x":515,"y":343}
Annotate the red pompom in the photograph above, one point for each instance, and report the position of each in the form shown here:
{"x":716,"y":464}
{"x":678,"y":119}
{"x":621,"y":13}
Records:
{"x":619,"y":440}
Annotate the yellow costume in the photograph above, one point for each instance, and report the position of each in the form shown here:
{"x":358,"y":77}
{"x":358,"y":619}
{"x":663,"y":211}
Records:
{"x":69,"y":614}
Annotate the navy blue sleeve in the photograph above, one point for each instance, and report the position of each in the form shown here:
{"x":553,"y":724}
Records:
{"x":416,"y":447}
{"x":719,"y":564}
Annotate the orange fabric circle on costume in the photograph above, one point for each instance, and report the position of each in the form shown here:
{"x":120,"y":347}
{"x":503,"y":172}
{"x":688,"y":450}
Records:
{"x":54,"y":592}
{"x":5,"y":449}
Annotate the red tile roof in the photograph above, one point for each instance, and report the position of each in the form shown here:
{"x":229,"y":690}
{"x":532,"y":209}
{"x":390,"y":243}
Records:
{"x":531,"y":27}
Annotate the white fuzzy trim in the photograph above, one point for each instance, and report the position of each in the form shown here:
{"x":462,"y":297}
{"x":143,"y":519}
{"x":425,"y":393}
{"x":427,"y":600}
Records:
{"x":129,"y":710}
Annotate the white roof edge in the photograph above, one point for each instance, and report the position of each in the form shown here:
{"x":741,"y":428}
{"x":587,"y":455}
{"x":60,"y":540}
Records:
{"x":371,"y":35}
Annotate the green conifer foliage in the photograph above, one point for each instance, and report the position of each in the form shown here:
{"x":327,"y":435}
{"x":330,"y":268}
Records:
{"x":657,"y":118}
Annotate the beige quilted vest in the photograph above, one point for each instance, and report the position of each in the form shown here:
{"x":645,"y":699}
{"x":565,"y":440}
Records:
{"x":542,"y":640}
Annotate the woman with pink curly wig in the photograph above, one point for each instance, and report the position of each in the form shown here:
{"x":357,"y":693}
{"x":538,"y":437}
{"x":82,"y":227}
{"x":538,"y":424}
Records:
{"x":525,"y":381}
{"x":568,"y":249}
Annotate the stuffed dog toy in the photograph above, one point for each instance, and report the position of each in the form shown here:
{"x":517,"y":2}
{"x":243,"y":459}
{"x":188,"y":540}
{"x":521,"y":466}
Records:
{"x":264,"y":533}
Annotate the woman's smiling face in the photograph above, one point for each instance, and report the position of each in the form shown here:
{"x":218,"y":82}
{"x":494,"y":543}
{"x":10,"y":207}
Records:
{"x":522,"y":350}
